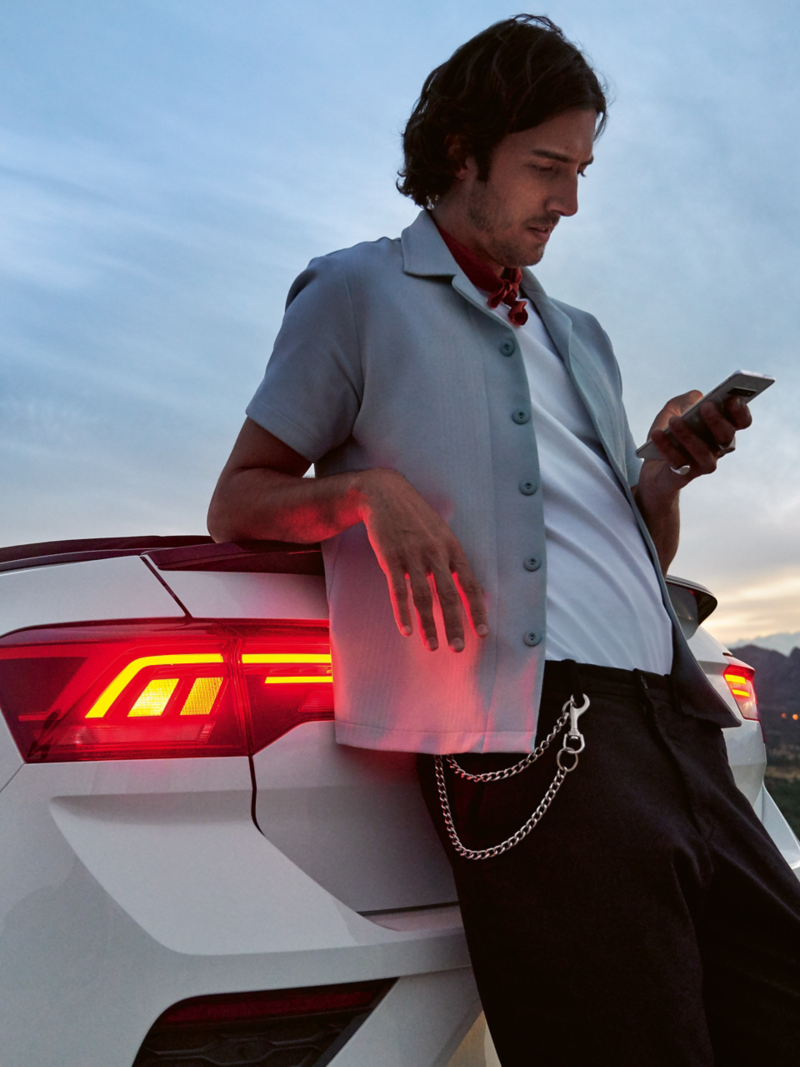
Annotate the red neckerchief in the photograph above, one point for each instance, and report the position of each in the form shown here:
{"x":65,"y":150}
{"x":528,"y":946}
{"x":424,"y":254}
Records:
{"x":501,"y":290}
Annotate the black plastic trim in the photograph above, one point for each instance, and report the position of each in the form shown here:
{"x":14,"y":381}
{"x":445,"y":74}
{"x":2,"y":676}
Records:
{"x":300,"y":1038}
{"x":706,"y":601}
{"x":172,"y":553}
{"x":263,"y":557}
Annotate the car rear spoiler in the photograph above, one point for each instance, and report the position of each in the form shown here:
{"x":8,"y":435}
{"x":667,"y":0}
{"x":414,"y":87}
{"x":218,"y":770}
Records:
{"x":177,"y":553}
{"x":693,"y":603}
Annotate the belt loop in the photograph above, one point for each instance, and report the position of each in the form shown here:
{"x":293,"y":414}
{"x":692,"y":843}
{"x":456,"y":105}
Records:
{"x":673,"y":693}
{"x":575,"y":682}
{"x":644,"y":691}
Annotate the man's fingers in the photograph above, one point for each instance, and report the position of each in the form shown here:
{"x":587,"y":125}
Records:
{"x":676,"y":405}
{"x":450,"y":603}
{"x":472,"y":595}
{"x":398,"y":591}
{"x":684,"y":401}
{"x":454,"y":589}
{"x":676,"y":457}
{"x":697,"y":451}
{"x":416,"y":549}
{"x":423,"y":599}
{"x":700,"y":455}
{"x":441,"y":584}
{"x":423,"y":602}
{"x":738,"y":412}
{"x":720,"y":425}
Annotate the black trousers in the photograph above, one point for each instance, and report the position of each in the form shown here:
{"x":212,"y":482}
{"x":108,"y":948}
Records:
{"x":648,"y":920}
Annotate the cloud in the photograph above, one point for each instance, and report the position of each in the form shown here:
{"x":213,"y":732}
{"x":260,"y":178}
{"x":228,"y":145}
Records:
{"x":766,"y":604}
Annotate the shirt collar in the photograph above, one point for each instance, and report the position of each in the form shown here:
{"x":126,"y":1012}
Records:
{"x":500,"y":288}
{"x":425,"y":255}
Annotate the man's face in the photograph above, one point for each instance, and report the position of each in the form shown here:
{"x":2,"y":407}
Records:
{"x":533,"y":181}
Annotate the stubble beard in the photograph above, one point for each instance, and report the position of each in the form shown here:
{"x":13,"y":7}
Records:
{"x":485,"y":213}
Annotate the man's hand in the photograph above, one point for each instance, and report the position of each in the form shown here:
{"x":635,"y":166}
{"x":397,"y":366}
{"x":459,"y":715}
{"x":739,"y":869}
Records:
{"x":661,"y":480}
{"x":415,"y":547}
{"x":262,"y":494}
{"x":692,"y":450}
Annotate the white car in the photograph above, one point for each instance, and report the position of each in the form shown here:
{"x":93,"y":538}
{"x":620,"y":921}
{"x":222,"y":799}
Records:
{"x":193,"y":872}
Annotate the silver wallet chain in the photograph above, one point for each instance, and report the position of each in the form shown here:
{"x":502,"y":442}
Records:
{"x":567,"y":760}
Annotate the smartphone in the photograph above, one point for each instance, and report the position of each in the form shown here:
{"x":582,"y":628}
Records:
{"x":745,"y":384}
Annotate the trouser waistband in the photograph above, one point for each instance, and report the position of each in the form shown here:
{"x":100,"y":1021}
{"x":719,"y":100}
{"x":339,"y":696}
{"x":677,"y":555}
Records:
{"x":562,"y":677}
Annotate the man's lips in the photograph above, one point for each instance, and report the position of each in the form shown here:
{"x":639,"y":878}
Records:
{"x":542,"y":232}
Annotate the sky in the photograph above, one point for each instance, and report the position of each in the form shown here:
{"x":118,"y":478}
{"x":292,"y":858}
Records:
{"x":167,"y":167}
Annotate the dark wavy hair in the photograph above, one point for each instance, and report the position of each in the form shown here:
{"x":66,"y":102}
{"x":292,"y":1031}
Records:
{"x":516,"y":74}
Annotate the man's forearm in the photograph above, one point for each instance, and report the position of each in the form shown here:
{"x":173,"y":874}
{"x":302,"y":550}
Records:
{"x":413,"y":544}
{"x":662,"y":517}
{"x":265,"y":505}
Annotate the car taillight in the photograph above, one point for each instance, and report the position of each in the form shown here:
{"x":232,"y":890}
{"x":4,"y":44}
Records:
{"x":150,"y":690}
{"x":281,"y":1027}
{"x":740,"y":682}
{"x":285,"y":683}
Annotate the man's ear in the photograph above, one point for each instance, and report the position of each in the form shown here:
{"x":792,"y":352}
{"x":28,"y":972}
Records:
{"x":458,"y":154}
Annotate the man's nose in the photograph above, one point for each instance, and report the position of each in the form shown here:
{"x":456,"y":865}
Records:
{"x":565,"y":200}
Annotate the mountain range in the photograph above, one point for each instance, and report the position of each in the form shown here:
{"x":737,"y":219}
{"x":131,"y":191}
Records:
{"x":777,"y":684}
{"x":779,"y":642}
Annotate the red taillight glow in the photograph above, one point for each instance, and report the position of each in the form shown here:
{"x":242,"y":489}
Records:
{"x":135,"y":669}
{"x":287,"y":668}
{"x":144,"y":690}
{"x":237,"y":1007}
{"x":284,"y":681}
{"x":740,"y":682}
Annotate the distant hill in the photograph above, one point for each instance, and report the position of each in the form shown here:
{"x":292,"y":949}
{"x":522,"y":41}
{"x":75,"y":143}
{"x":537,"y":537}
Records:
{"x":779,"y":642}
{"x":777,"y":685}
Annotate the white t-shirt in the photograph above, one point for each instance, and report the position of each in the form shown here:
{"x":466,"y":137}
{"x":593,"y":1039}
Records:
{"x":603,"y":599}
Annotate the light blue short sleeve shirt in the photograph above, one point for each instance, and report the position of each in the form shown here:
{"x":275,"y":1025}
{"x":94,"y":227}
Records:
{"x":389,"y":357}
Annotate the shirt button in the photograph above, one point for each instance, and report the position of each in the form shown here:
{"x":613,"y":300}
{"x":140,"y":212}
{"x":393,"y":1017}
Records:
{"x":532,"y":638}
{"x":508,"y":348}
{"x":527,"y":487}
{"x":532,"y":563}
{"x":520,"y":416}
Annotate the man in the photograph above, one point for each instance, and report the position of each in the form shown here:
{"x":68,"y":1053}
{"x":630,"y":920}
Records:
{"x":473,"y":459}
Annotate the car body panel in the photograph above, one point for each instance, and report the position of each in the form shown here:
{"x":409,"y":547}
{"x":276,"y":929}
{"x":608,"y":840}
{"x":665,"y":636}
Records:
{"x":353,"y":820}
{"x":141,"y":892}
{"x":10,"y":758}
{"x":779,"y":830}
{"x":97,"y":590}
{"x":210,"y":595}
{"x":172,"y":861}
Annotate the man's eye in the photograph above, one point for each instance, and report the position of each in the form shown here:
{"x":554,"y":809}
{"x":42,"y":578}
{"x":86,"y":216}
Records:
{"x":539,"y":167}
